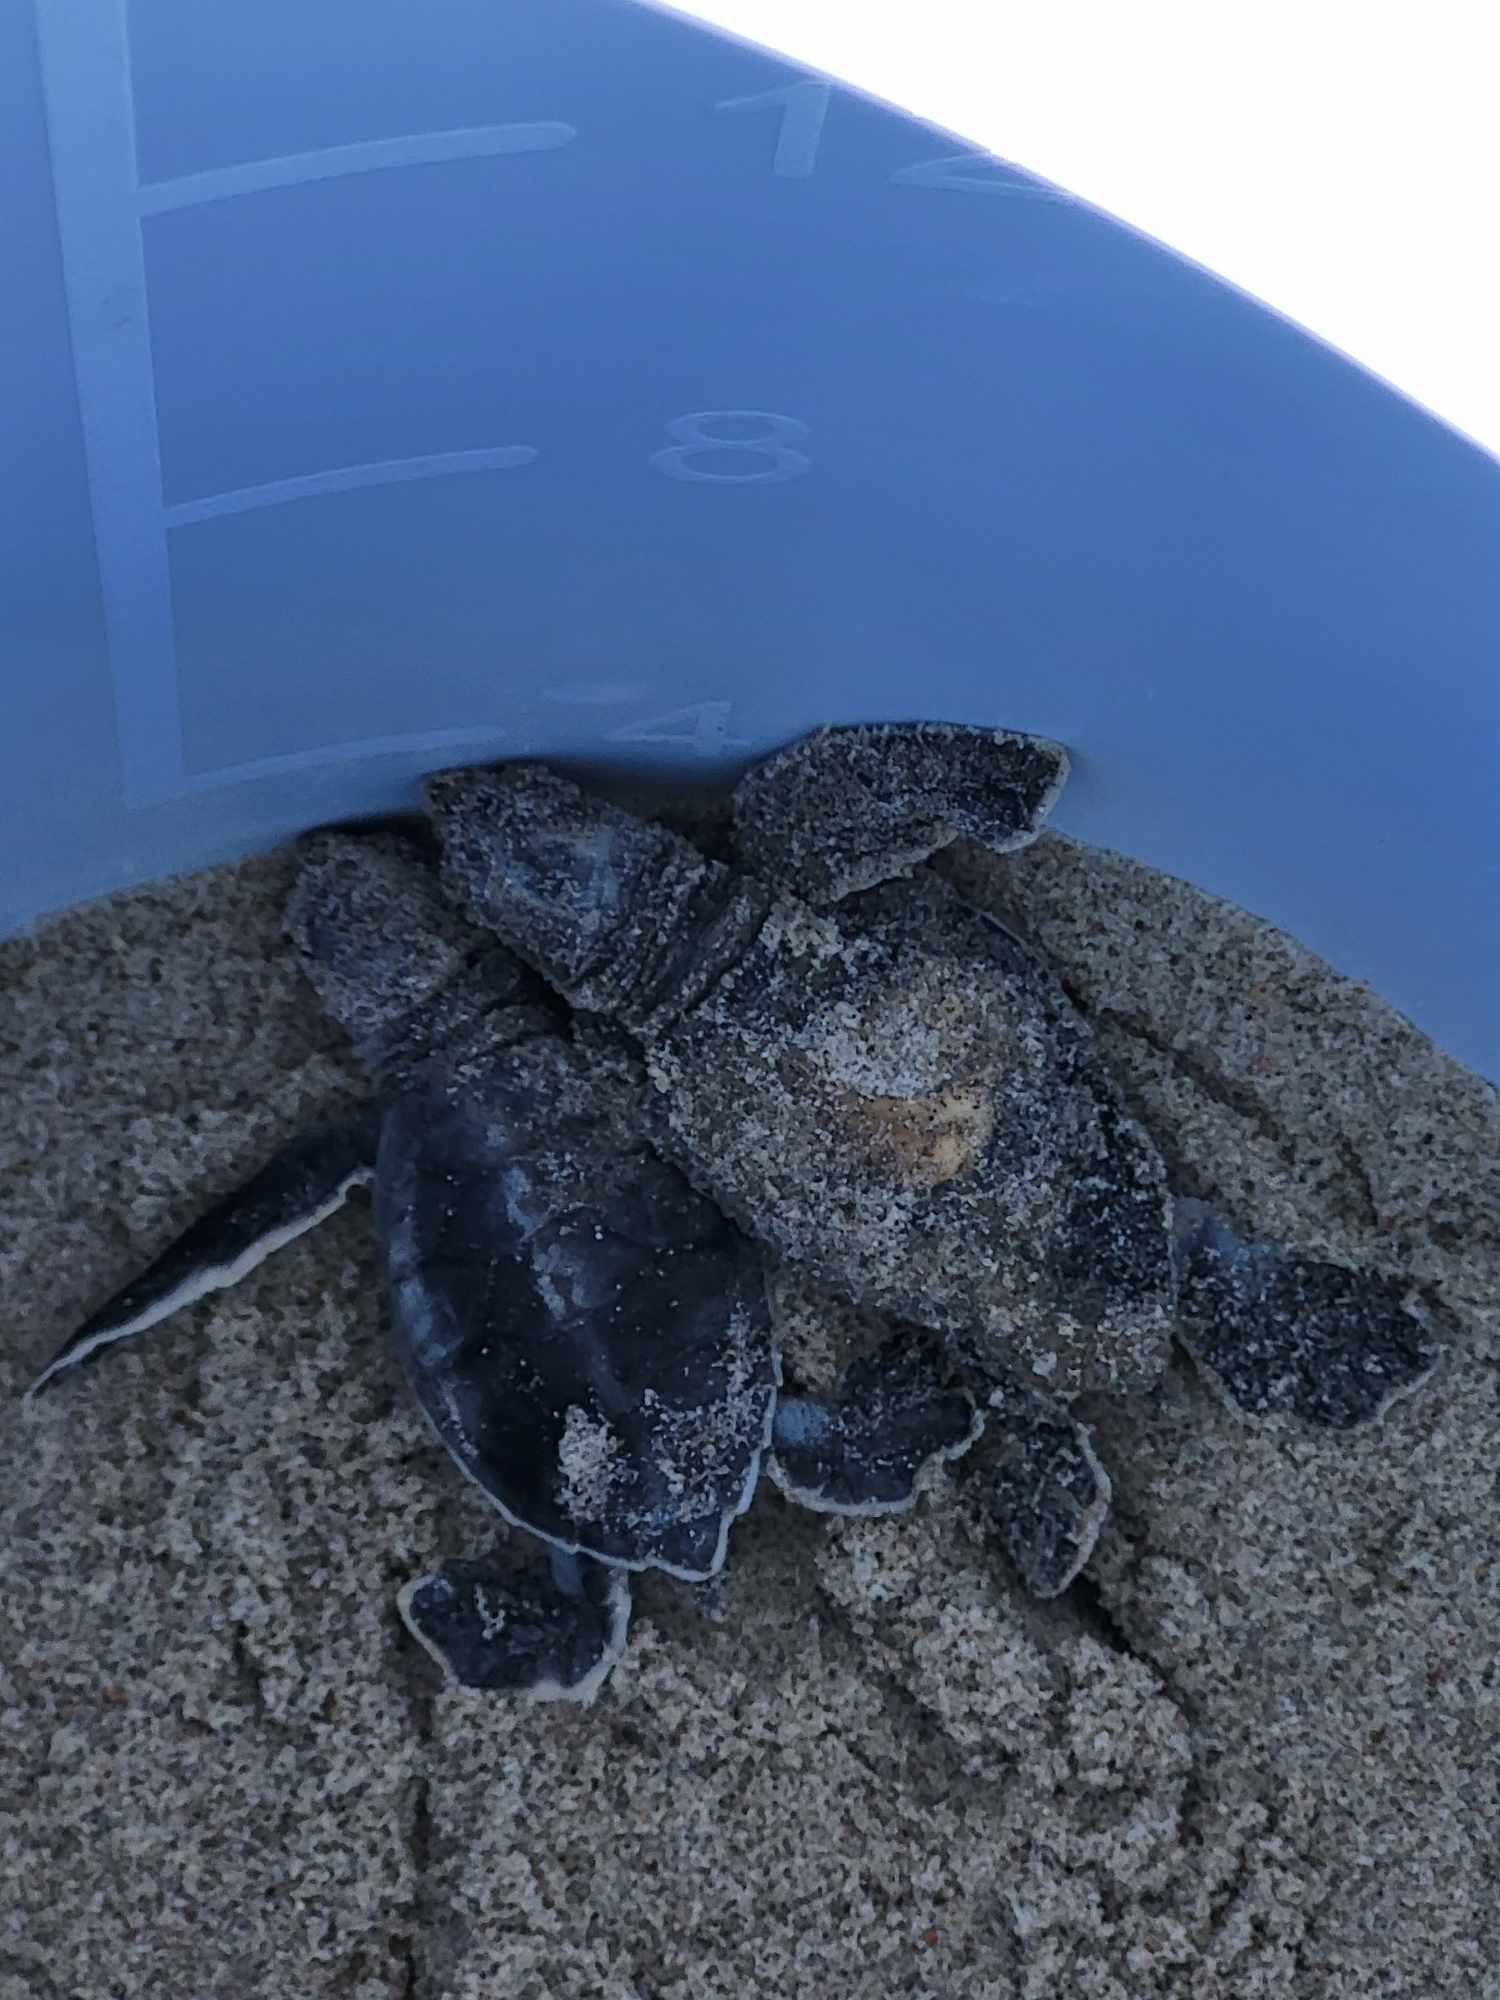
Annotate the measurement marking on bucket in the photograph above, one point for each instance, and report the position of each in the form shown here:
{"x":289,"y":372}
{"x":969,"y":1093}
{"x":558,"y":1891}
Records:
{"x":595,"y":694}
{"x":702,"y":726}
{"x":804,"y":110}
{"x":416,"y":149}
{"x":978,"y":173}
{"x":347,"y":479}
{"x":804,"y":105}
{"x":775,"y":444}
{"x":101,"y":206}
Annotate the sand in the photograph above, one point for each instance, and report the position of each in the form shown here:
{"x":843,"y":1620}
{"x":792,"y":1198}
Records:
{"x":1256,"y":1752}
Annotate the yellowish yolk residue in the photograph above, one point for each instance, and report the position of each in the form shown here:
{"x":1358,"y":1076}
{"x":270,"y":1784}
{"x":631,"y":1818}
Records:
{"x":931,"y":1139}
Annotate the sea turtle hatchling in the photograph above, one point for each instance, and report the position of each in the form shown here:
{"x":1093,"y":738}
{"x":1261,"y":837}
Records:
{"x":884,"y":1085}
{"x":587,"y":1334}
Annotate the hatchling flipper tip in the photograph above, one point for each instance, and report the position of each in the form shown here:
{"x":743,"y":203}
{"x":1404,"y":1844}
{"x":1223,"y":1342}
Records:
{"x":297,"y":1189}
{"x":548,"y":1635}
{"x":859,"y":803}
{"x":862,"y":1450}
{"x":1049,"y":1495}
{"x":1280,"y":1333}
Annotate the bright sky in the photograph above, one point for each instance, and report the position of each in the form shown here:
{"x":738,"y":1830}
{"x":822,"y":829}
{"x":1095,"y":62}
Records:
{"x":1338,"y":159}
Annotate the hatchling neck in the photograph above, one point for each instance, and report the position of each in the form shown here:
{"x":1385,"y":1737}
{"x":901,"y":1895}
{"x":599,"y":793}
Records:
{"x":470,"y":1009}
{"x":673,"y":942}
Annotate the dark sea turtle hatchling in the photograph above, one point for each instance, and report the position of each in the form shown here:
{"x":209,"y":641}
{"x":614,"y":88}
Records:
{"x":886,"y":1087}
{"x":587,"y":1334}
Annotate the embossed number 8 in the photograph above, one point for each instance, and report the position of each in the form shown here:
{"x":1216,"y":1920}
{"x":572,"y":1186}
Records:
{"x":773,"y":444}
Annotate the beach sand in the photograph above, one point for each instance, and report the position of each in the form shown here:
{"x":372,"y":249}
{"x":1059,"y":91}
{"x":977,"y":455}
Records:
{"x":1255,"y":1753}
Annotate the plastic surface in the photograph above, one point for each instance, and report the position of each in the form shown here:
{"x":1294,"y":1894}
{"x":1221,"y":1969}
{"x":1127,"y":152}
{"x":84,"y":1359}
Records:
{"x":390,"y":387}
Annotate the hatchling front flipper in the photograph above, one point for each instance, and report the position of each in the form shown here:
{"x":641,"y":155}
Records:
{"x":296,"y":1190}
{"x":1279,"y":1333}
{"x":545,"y":1637}
{"x":857,"y":804}
{"x":860,"y":1450}
{"x":858,"y":1446}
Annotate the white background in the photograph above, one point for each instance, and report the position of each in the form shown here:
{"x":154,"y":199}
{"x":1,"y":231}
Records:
{"x":1339,"y":161}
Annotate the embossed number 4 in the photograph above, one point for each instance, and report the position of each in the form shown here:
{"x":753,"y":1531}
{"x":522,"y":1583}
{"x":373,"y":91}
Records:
{"x":702,"y":726}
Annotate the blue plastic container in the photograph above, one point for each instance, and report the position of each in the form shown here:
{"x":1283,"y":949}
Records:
{"x":388,"y":387}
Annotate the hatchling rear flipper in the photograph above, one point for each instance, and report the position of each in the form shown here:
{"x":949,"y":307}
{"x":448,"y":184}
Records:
{"x":1050,"y":1495}
{"x":296,"y":1190}
{"x":858,"y":804}
{"x":1278,"y":1333}
{"x":544,"y":1637}
{"x":860,"y":1451}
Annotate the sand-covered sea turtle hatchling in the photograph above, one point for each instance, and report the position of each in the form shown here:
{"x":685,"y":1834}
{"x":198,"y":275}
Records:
{"x":586,"y":1333}
{"x":896,"y":1095}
